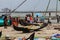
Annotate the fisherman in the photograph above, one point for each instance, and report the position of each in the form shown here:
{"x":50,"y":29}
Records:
{"x":10,"y":18}
{"x":14,"y":22}
{"x":49,"y":21}
{"x":5,"y":22}
{"x":57,"y":18}
{"x":37,"y":19}
{"x":18,"y":19}
{"x":42,"y":19}
{"x":28,"y":18}
{"x":31,"y":19}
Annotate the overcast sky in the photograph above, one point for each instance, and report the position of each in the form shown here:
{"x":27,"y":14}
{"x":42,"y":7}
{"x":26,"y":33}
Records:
{"x":29,"y":5}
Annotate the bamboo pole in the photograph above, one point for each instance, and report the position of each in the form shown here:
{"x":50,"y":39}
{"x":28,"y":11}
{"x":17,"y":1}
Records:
{"x":48,"y":6}
{"x":56,"y":6}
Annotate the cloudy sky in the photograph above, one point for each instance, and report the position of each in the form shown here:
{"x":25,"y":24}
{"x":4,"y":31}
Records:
{"x":29,"y":5}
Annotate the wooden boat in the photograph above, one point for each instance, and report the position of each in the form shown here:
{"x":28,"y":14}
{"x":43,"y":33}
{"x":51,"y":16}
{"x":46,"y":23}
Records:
{"x":31,"y":37}
{"x":24,"y":23}
{"x":26,"y":30}
{"x":0,"y":33}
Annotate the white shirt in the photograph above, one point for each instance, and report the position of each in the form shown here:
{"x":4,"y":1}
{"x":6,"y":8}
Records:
{"x":28,"y":18}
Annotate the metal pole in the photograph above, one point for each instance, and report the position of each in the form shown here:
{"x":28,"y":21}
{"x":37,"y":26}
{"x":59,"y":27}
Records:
{"x":56,"y":6}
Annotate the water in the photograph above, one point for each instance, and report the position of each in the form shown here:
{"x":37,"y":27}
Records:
{"x":20,"y":14}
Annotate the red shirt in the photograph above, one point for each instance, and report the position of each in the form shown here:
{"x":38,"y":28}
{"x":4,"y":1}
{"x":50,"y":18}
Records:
{"x":15,"y":23}
{"x":31,"y":18}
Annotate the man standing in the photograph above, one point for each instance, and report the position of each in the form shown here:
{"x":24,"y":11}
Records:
{"x":42,"y":19}
{"x":37,"y":19}
{"x":57,"y":18}
{"x":5,"y":22}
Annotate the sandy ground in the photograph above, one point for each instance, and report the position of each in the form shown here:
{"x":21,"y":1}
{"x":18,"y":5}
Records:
{"x":45,"y":32}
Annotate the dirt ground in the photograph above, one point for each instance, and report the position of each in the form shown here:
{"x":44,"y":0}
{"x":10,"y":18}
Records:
{"x":45,"y":32}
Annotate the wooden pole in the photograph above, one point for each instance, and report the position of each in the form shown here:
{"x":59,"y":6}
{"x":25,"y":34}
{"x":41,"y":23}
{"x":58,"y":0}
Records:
{"x":48,"y":6}
{"x":56,"y":6}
